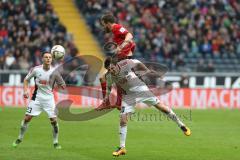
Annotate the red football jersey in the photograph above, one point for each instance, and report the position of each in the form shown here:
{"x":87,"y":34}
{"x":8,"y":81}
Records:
{"x":119,"y":34}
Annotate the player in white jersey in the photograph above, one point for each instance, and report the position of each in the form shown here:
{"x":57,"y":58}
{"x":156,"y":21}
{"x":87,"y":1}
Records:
{"x":123,"y":74}
{"x":45,"y":77}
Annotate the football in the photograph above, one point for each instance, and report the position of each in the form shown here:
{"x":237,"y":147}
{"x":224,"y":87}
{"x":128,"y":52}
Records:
{"x":58,"y":52}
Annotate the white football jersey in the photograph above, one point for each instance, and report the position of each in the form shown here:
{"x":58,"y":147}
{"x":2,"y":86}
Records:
{"x":127,"y":79}
{"x":134,"y":90}
{"x":44,"y":81}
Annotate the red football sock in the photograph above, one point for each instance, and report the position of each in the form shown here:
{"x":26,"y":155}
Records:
{"x":104,"y":88}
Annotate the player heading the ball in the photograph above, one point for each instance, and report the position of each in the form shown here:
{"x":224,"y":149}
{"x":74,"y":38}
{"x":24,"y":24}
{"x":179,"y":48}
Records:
{"x":134,"y":90}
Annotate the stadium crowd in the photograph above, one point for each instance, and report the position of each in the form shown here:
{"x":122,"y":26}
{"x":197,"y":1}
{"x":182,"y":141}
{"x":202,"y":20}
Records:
{"x":28,"y":27}
{"x":196,"y":35}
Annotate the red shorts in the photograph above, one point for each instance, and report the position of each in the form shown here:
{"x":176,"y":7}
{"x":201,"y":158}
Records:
{"x":125,"y":51}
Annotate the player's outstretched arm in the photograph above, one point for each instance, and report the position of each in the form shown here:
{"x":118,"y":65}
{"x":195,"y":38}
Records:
{"x":60,"y":82}
{"x":141,"y":70}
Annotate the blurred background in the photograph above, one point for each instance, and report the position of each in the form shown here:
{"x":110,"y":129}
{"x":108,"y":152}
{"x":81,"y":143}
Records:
{"x":198,"y":40}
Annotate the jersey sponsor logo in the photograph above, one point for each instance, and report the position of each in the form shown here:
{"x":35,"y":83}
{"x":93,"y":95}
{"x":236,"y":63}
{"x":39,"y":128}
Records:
{"x":43,"y":82}
{"x":123,"y":64}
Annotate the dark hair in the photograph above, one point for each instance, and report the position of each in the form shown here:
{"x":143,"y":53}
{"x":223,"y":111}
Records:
{"x":107,"y":62}
{"x":108,"y":18}
{"x":45,"y":52}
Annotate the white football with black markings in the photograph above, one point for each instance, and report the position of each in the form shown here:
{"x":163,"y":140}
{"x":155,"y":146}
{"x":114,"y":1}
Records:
{"x":58,"y":52}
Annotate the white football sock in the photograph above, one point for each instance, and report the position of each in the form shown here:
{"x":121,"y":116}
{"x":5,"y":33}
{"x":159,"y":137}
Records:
{"x":55,"y":130}
{"x":175,"y":118}
{"x":123,"y":135}
{"x":24,"y":126}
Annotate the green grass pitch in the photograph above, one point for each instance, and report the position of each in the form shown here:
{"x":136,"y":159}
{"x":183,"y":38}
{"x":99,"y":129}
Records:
{"x":215,"y":136}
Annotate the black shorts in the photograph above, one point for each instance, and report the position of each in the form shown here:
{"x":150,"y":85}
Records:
{"x":127,"y":57}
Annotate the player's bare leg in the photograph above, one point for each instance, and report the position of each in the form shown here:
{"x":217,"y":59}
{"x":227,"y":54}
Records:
{"x":169,"y":112}
{"x":103,"y":85}
{"x":107,"y":105}
{"x":23,"y":129}
{"x":55,"y":130}
{"x":123,"y":134}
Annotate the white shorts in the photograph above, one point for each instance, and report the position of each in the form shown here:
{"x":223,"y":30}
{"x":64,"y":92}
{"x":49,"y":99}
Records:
{"x":129,"y":102}
{"x":35,"y":108}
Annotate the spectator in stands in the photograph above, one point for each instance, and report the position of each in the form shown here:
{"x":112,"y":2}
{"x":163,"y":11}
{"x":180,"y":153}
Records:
{"x":72,"y":79}
{"x":180,"y":63}
{"x":184,"y":82}
{"x":166,"y":28}
{"x":210,"y":67}
{"x":201,"y":66}
{"x":2,"y":65}
{"x":10,"y":60}
{"x":26,"y":28}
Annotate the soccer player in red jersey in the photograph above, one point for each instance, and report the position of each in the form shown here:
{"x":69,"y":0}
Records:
{"x":121,"y":36}
{"x":124,"y":39}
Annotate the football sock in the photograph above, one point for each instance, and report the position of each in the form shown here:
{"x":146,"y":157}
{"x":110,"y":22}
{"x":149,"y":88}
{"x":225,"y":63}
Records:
{"x":175,"y":118}
{"x":119,"y":97}
{"x":104,"y":88}
{"x":23,"y":129}
{"x":55,"y":130}
{"x":123,"y":135}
